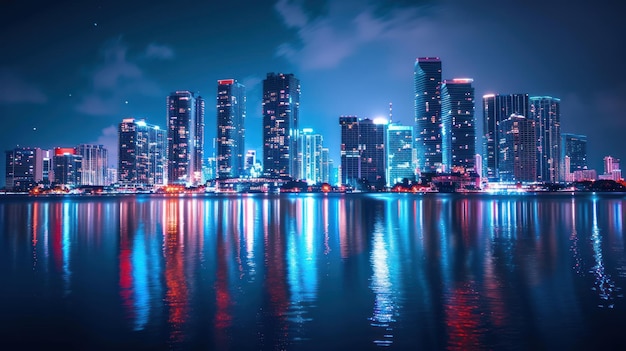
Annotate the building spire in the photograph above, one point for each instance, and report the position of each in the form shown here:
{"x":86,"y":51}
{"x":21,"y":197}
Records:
{"x":390,"y":113}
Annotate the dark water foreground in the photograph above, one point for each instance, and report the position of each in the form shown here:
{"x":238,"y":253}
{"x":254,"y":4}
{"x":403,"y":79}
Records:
{"x":313,"y":272}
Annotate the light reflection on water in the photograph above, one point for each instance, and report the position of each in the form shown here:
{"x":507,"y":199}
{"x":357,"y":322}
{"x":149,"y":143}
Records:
{"x":310,"y":271}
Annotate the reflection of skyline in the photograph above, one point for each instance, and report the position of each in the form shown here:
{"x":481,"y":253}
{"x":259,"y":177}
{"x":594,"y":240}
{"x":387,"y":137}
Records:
{"x":435,"y":271}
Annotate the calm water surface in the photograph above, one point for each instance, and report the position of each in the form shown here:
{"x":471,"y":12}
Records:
{"x":313,"y":272}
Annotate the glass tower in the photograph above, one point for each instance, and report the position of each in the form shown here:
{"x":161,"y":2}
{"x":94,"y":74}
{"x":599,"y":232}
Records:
{"x":399,"y":154}
{"x":574,"y":146}
{"x":517,"y":150}
{"x":427,"y":79}
{"x":281,"y":107}
{"x":458,"y":143}
{"x":185,"y":138}
{"x":497,"y":108}
{"x":142,"y":153}
{"x":231,"y":115}
{"x":545,"y":111}
{"x":95,"y":163}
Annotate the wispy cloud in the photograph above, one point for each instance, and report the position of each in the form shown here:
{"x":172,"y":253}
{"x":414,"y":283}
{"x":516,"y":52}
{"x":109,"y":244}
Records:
{"x":325,"y":41}
{"x":15,"y":89}
{"x":159,"y":51}
{"x":119,"y":76}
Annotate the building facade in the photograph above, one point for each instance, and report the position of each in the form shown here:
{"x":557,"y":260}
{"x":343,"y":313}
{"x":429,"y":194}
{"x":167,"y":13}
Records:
{"x":350,"y":150}
{"x":458,"y":146}
{"x":399,"y":147}
{"x":573,"y":146}
{"x":497,"y":108}
{"x":24,"y":168}
{"x":517,"y":148}
{"x":427,"y":82}
{"x":94,"y":165}
{"x":545,"y":111}
{"x":310,"y":146}
{"x":185,"y":138}
{"x":230,"y":141}
{"x":281,"y":108}
{"x":142,"y":154}
{"x":67,"y":167}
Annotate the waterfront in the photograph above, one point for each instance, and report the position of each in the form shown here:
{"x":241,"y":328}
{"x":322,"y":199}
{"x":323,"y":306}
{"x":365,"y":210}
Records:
{"x":313,"y":271}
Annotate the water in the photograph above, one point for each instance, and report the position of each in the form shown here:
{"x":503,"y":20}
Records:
{"x":313,"y":272}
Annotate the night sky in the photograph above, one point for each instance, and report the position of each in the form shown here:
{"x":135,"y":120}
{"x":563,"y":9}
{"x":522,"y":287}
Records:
{"x":70,"y":71}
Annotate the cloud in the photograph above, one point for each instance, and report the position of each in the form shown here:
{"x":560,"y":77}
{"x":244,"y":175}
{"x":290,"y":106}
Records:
{"x":327,"y":40}
{"x":108,"y":138}
{"x":158,"y":51}
{"x":14,"y":89}
{"x":118,"y":77}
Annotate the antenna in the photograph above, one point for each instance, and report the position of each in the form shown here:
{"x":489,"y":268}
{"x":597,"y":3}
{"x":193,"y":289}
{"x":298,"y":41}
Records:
{"x":390,"y":113}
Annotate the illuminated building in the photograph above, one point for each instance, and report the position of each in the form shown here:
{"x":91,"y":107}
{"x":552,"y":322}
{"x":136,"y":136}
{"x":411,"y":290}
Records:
{"x":399,"y":147}
{"x":310,"y":146}
{"x":458,"y":141}
{"x":611,"y":169}
{"x":427,"y":80}
{"x":230,"y":142}
{"x":497,"y":108}
{"x":185,"y":138}
{"x":94,"y":166}
{"x":25,"y":167}
{"x":517,"y":149}
{"x":327,"y":165}
{"x":362,"y":152}
{"x":67,"y":167}
{"x":281,"y":107}
{"x":545,"y":111}
{"x":350,"y":153}
{"x":142,"y":153}
{"x":574,"y":146}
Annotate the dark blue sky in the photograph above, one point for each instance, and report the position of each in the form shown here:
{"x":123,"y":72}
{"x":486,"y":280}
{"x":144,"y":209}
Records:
{"x":71,"y":70}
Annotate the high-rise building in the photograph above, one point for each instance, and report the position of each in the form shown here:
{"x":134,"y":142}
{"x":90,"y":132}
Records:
{"x":67,"y":167}
{"x":142,"y":153}
{"x":458,"y":145}
{"x":362,"y":152}
{"x":185,"y":138}
{"x":231,"y":115}
{"x":94,"y":165}
{"x":310,"y":147}
{"x":427,"y":79}
{"x":574,"y":146}
{"x":497,"y":108}
{"x":612,"y":169}
{"x":281,"y":107}
{"x":517,"y":148}
{"x":326,"y":165}
{"x":399,"y":148}
{"x":545,"y":111}
{"x":24,"y":168}
{"x":350,"y":152}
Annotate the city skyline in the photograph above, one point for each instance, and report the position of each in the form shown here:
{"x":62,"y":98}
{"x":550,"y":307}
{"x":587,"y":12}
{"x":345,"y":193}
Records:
{"x":72,"y":84}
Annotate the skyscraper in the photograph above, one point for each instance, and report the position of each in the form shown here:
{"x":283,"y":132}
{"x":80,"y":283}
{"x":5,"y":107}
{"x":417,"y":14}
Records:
{"x":362,"y":152}
{"x":574,"y":146}
{"x":399,"y":153}
{"x":24,"y":168}
{"x":67,"y":167}
{"x":545,"y":111}
{"x":281,"y":106}
{"x":95,"y":163}
{"x":497,"y":108}
{"x":230,"y":142}
{"x":185,"y":138}
{"x":458,"y":143}
{"x":350,"y":153}
{"x":310,"y":147}
{"x":517,"y":149}
{"x":142,"y":153}
{"x":427,"y":79}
